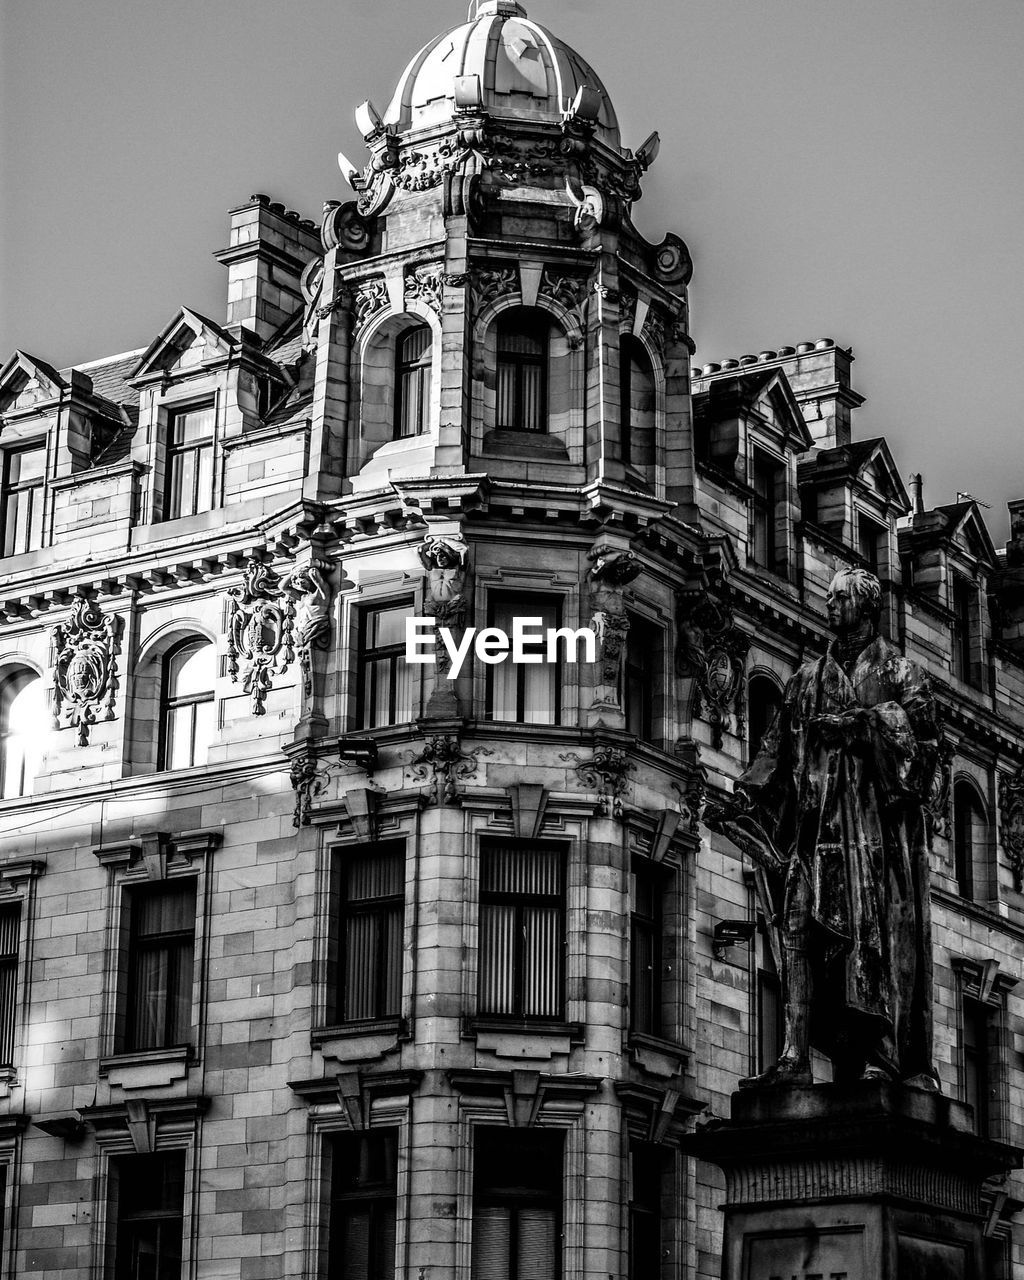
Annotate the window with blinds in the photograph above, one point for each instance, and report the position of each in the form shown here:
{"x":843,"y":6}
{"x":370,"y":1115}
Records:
{"x":363,"y":1201}
{"x":647,"y":886}
{"x":517,"y":1204}
{"x":412,"y":381}
{"x":530,"y":692}
{"x":148,"y":1193}
{"x":522,"y":391}
{"x":370,"y":893}
{"x":384,"y":686}
{"x":522,"y":931}
{"x":10,"y":928}
{"x":161,"y":948}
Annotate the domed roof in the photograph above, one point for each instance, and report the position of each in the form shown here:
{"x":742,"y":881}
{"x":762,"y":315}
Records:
{"x":524,"y":71}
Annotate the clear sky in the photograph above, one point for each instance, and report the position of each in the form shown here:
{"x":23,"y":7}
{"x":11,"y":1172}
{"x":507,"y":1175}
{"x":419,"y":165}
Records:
{"x":841,"y":168}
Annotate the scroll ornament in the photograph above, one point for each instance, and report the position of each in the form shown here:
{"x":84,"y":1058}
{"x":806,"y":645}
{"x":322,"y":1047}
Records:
{"x":84,"y":668}
{"x":260,"y":631}
{"x":711,"y":650}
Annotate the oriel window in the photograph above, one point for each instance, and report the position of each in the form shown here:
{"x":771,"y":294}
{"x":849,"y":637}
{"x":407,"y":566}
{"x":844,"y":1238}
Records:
{"x":162,"y":922}
{"x":645,"y":947}
{"x":522,"y":931}
{"x":149,"y":1202}
{"x":524,"y":336}
{"x":384,"y":685}
{"x":189,"y":488}
{"x":364,"y":1187}
{"x":413,"y":351}
{"x":22,"y":498}
{"x":517,"y":1204}
{"x":187,"y":713}
{"x":371,"y":892}
{"x":22,"y":719}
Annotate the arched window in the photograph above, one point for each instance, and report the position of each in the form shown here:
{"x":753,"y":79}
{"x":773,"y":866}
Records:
{"x":186,"y":704}
{"x":970,"y":842}
{"x":637,"y":402}
{"x":764,"y":697}
{"x":413,"y":353}
{"x":524,"y":337}
{"x":22,"y":717}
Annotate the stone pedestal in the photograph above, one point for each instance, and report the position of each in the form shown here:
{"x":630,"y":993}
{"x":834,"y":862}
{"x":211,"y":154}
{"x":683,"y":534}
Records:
{"x":870,"y":1181}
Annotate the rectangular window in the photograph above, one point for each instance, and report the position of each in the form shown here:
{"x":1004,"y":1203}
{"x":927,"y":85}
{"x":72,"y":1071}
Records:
{"x":522,"y":931}
{"x":767,"y":545}
{"x":189,"y":488}
{"x":963,"y":601}
{"x":364,"y":1184}
{"x":528,"y":693}
{"x":977,"y":1028}
{"x":640,"y":676}
{"x":645,"y":947}
{"x":871,"y":539}
{"x":10,"y":928}
{"x":646,"y":1175}
{"x":370,"y":896}
{"x":162,"y":924}
{"x":149,"y":1200}
{"x":22,"y":498}
{"x":769,"y":1017}
{"x":384,"y":685}
{"x":517,"y":1204}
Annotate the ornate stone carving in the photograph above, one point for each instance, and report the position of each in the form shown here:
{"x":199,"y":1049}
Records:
{"x":711,"y":650}
{"x":1011,"y":812}
{"x":444,"y":763}
{"x":672,"y":263}
{"x":444,"y":560}
{"x":489,"y":286}
{"x":627,"y":310}
{"x":940,"y":793}
{"x":610,"y":570}
{"x":846,"y":869}
{"x":344,"y":227}
{"x":310,"y":590}
{"x":454,"y":279}
{"x":260,"y":631}
{"x":309,"y":781}
{"x":371,"y":297}
{"x":425,"y":285}
{"x":693,"y":796}
{"x":569,"y":292}
{"x":85,"y":650}
{"x":606,"y":772}
{"x":656,"y":331}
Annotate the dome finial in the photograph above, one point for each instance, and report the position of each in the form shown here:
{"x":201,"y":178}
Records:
{"x":499,"y":8}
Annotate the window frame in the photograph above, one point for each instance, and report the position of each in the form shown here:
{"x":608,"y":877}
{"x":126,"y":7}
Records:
{"x":647,"y":637}
{"x":181,"y":947}
{"x":764,"y":511}
{"x":380,"y":906}
{"x":963,"y":604}
{"x":381,"y":1197}
{"x":121,"y":1268}
{"x":23,"y":676}
{"x":515,"y":1199}
{"x":365,"y":674}
{"x":519,"y":362}
{"x":423,"y":365}
{"x":36,"y":501}
{"x":652,"y":926}
{"x":520,"y":903}
{"x":173,"y":451}
{"x":169,"y":703}
{"x":543,"y":599}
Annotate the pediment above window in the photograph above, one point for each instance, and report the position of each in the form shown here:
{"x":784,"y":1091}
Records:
{"x":27,"y":383}
{"x":189,"y":341}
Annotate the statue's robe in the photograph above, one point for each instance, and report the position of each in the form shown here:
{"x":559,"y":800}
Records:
{"x":846,"y":812}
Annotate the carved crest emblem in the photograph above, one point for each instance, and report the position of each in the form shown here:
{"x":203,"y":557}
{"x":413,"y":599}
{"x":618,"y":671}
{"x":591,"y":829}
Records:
{"x":84,"y":669}
{"x":1011,"y":806}
{"x":260,"y":631}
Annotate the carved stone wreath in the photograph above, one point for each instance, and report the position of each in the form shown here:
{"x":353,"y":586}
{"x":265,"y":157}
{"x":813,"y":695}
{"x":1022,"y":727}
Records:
{"x":260,"y":631}
{"x":85,"y":649}
{"x":711,"y":650}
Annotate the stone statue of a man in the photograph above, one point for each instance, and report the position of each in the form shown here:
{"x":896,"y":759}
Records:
{"x":832,"y":809}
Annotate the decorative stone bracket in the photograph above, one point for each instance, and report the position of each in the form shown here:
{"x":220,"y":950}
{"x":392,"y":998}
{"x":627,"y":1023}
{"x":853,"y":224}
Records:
{"x":606,"y":772}
{"x":444,"y":763}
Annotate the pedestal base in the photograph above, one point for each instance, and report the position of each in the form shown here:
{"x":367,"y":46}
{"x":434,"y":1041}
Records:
{"x":871,"y":1181}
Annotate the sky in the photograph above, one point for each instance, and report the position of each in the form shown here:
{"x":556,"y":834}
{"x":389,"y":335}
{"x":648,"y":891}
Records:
{"x":842,"y":168}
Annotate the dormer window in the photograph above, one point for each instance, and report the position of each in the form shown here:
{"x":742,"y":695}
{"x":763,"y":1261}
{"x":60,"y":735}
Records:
{"x":523,"y":340}
{"x":22,"y":498}
{"x":963,"y":602}
{"x":871,"y":543}
{"x":412,"y":381}
{"x":767,"y":542}
{"x":189,"y":488}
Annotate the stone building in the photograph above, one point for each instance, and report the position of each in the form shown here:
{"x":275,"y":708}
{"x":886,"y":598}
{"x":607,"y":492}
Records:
{"x":315,"y":962}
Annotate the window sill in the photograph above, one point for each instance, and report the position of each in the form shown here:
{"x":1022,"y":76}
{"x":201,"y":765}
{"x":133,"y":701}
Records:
{"x":523,"y":1037}
{"x":523,"y":444}
{"x":147,"y":1069}
{"x":657,"y":1056}
{"x":359,"y":1041}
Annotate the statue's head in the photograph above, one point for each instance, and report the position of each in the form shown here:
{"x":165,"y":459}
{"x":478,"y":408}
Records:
{"x":853,"y":595}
